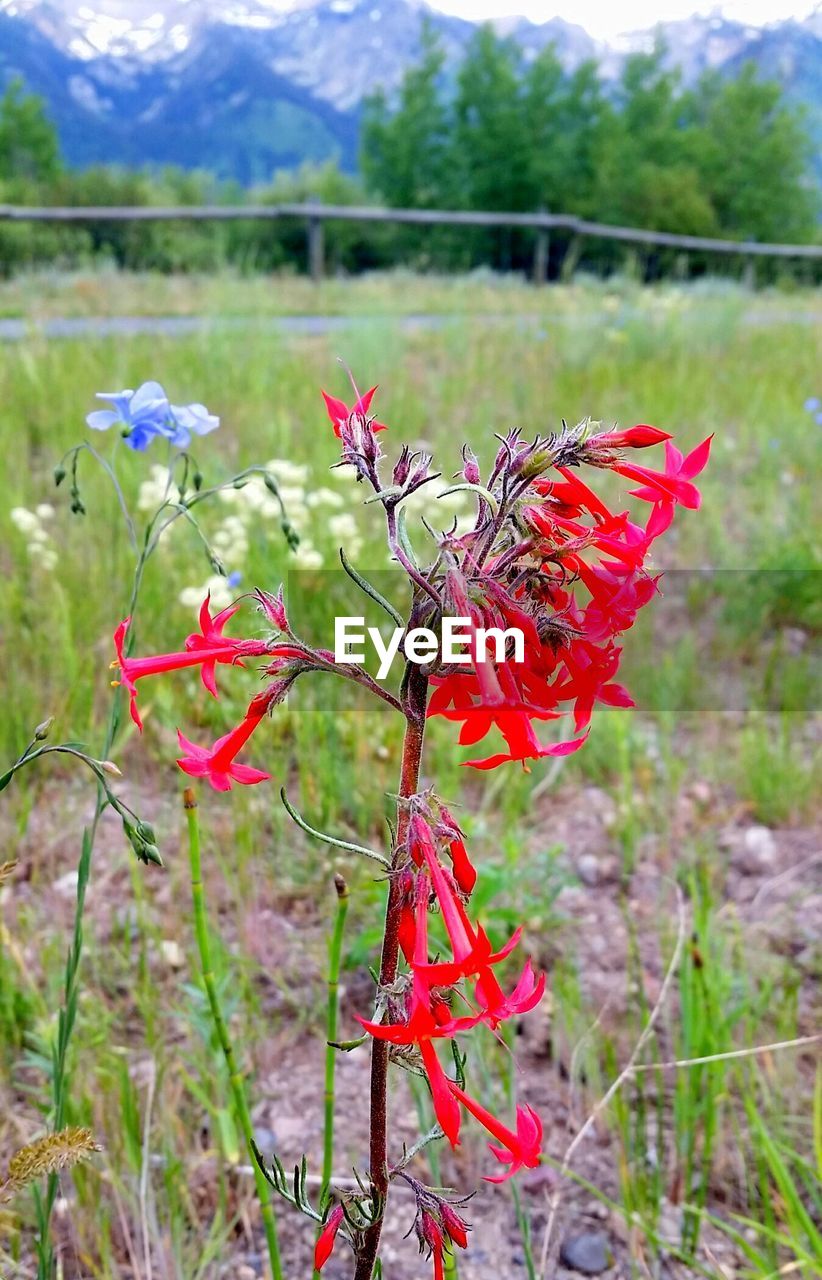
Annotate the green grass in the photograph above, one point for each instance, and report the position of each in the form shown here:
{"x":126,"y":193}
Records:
{"x":723,"y":674}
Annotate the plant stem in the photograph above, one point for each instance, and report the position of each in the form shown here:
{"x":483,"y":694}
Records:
{"x":415,"y":702}
{"x":334,"y":956}
{"x":234,"y":1073}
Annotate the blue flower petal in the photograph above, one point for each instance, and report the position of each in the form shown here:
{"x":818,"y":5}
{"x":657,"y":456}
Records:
{"x":813,"y":404}
{"x":102,"y":419}
{"x":196,"y":418}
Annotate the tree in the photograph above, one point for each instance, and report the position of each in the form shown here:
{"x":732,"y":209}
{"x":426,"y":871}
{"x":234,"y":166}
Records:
{"x":752,"y":153}
{"x":29,"y":150}
{"x":404,"y":154}
{"x":492,"y":146}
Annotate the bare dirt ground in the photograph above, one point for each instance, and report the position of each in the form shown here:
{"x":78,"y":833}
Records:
{"x":771,"y":883}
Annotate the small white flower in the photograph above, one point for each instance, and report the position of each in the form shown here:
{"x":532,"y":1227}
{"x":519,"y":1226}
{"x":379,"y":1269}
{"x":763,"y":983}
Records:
{"x":343,"y":526}
{"x":307,"y":557}
{"x":26,"y":521}
{"x":191,"y":597}
{"x":291,"y":472}
{"x":44,"y":511}
{"x":325,"y":498}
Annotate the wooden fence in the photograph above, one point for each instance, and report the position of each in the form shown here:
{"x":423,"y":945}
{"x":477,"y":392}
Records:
{"x":315,"y":215}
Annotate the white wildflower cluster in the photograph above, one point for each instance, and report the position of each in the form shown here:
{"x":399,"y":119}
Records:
{"x":324,"y":518}
{"x":155,"y":490}
{"x":441,"y":507}
{"x":39,"y":543}
{"x":316,"y":514}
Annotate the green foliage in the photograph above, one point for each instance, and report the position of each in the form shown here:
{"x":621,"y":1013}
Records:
{"x":729,"y":158}
{"x":29,"y":152}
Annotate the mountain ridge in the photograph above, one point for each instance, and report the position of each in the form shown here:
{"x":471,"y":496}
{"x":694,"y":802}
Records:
{"x":251,"y":86}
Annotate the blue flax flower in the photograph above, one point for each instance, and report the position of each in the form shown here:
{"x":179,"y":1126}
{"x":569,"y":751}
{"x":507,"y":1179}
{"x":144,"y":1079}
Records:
{"x":146,"y":413}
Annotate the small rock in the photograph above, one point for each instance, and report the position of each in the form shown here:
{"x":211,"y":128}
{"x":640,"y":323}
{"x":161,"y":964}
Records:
{"x":172,"y":953}
{"x":588,"y":870}
{"x":66,"y":886}
{"x":701,"y":792}
{"x":756,"y":855}
{"x":795,"y":640}
{"x":246,"y":1273}
{"x":588,"y":1252}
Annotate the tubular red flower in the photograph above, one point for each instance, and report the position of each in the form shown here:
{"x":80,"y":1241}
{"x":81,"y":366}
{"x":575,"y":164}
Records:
{"x":325,"y":1240}
{"x":134,"y":669}
{"x":339,"y":413}
{"x":217,"y":763}
{"x":674,"y":483}
{"x":639,"y":437}
{"x":519,"y":1150}
{"x":210,"y":637}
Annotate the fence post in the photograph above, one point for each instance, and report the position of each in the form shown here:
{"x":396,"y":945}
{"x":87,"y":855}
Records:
{"x":542,"y":249}
{"x":316,"y":248}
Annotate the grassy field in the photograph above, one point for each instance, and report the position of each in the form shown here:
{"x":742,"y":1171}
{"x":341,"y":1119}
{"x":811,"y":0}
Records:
{"x":708,"y":786}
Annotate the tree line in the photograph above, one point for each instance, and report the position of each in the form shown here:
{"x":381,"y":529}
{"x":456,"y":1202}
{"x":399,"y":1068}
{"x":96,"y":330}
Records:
{"x":727,"y":157}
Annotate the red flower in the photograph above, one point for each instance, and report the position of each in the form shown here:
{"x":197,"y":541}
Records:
{"x":134,"y":669}
{"x":217,"y":763}
{"x":520,"y":1149}
{"x":210,"y":637}
{"x":432,"y":1234}
{"x":674,"y":483}
{"x":339,"y":413}
{"x":325,"y":1240}
{"x":640,"y":437}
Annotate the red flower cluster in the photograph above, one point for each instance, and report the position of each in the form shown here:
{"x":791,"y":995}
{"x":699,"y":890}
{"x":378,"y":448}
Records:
{"x":207,"y":648}
{"x":566,"y":571}
{"x":425,"y":1013}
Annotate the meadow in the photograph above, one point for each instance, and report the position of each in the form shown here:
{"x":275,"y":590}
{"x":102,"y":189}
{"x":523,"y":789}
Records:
{"x":668,"y":873}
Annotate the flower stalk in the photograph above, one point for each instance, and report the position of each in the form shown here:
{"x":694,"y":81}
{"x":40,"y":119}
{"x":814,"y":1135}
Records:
{"x":331,"y":1020}
{"x":201,"y":929}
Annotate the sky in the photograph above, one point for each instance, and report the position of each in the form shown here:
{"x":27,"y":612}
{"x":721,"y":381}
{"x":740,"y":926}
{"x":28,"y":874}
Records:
{"x":604,"y":19}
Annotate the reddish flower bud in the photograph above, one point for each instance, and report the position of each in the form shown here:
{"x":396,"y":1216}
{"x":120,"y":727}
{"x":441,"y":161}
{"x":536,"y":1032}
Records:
{"x":273,"y":608}
{"x":639,"y":437}
{"x":470,"y":466}
{"x":456,"y":1227}
{"x":325,"y":1241}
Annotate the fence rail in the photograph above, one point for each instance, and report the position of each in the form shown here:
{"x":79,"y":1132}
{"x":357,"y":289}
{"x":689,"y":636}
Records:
{"x":316,"y":214}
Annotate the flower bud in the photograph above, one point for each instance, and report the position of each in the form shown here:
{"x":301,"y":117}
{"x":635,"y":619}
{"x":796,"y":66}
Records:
{"x":455,"y":1226}
{"x":273,"y":608}
{"x":59,"y":474}
{"x":42,"y":731}
{"x":470,"y":465}
{"x":108,"y":766}
{"x":402,"y":467}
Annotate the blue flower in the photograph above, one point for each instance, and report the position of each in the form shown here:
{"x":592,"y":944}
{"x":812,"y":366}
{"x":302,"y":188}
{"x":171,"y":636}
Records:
{"x":234,"y":579}
{"x":146,"y":413}
{"x":192,"y":417}
{"x":812,"y":405}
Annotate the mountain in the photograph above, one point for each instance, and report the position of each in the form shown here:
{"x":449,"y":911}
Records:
{"x":242,"y":87}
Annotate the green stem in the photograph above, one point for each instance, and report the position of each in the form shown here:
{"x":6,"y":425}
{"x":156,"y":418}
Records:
{"x":234,"y":1072}
{"x":334,"y":959}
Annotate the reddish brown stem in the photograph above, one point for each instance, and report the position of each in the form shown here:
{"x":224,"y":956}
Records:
{"x":409,"y":783}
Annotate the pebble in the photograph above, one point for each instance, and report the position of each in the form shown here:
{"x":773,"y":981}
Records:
{"x":172,"y":953}
{"x":588,"y":870}
{"x":587,"y":1252}
{"x":757,"y":853}
{"x":66,"y":886}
